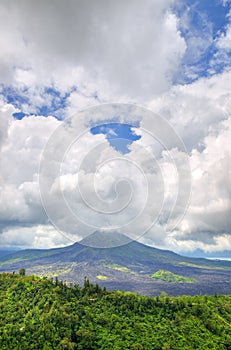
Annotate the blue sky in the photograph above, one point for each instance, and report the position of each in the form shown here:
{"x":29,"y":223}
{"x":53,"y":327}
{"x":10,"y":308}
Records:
{"x":206,"y":20}
{"x":120,"y":136}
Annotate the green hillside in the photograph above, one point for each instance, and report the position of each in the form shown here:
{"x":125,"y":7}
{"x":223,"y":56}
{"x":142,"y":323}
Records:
{"x":167,"y":276}
{"x":37,"y":313}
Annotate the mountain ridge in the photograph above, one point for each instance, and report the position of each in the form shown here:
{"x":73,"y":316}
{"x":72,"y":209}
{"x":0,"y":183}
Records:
{"x":128,"y":267}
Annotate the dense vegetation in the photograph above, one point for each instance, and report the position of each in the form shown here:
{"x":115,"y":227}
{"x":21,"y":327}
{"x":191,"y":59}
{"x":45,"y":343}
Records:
{"x":167,"y":276}
{"x":37,"y":313}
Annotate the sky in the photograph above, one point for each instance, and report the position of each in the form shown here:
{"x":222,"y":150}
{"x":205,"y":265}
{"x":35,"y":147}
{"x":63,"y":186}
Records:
{"x":116,"y":115}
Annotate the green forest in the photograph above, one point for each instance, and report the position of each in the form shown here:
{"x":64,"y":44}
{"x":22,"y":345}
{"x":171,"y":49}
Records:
{"x":38,"y":313}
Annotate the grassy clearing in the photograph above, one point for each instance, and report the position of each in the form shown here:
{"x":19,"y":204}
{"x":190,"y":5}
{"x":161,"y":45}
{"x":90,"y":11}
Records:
{"x":167,"y":276}
{"x":120,"y":268}
{"x":102,"y":278}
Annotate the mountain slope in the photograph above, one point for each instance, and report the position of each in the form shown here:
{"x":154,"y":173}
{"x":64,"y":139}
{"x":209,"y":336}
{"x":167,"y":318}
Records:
{"x":127,"y":267}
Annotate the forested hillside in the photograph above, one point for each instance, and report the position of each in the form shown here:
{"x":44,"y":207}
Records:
{"x":37,"y":313}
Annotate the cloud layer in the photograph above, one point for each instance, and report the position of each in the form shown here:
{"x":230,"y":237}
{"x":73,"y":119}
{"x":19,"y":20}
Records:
{"x":57,"y":59}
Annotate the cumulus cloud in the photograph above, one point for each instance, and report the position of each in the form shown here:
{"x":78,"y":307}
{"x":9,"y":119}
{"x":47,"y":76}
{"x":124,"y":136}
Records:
{"x":83,"y":171}
{"x":67,"y":56}
{"x":224,"y":41}
{"x":19,"y":196}
{"x":206,"y":224}
{"x":98,"y":187}
{"x":200,"y":112}
{"x":133,"y":47}
{"x":197,"y":30}
{"x":196,"y":108}
{"x":210,"y":208}
{"x":85,"y":184}
{"x":5,"y":113}
{"x":37,"y":236}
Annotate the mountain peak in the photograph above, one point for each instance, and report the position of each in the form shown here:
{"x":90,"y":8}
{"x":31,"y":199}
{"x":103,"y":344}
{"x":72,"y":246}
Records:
{"x":105,"y":239}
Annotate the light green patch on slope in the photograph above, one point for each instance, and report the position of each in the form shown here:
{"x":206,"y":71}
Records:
{"x":11,"y":261}
{"x":203,"y":266}
{"x":120,"y":268}
{"x":102,"y":278}
{"x":167,"y":276}
{"x":52,"y":270}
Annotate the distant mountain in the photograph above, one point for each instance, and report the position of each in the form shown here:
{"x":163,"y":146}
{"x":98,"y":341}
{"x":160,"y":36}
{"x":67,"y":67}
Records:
{"x":126,"y":266}
{"x":199,"y":253}
{"x":6,"y":251}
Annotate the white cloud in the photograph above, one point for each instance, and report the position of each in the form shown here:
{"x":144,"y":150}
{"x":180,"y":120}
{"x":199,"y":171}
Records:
{"x":5,"y":113}
{"x":96,"y":171}
{"x":211,"y":204}
{"x":133,"y":47}
{"x":122,"y":51}
{"x":224,"y":41}
{"x":37,"y":236}
{"x":92,"y":173}
{"x":196,"y":108}
{"x":19,"y":196}
{"x":225,"y":2}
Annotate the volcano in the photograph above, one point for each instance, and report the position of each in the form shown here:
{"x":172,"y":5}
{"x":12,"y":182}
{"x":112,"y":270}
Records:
{"x":116,"y":262}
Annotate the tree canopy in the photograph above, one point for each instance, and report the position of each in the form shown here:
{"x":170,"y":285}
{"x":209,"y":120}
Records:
{"x":37,"y":313}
